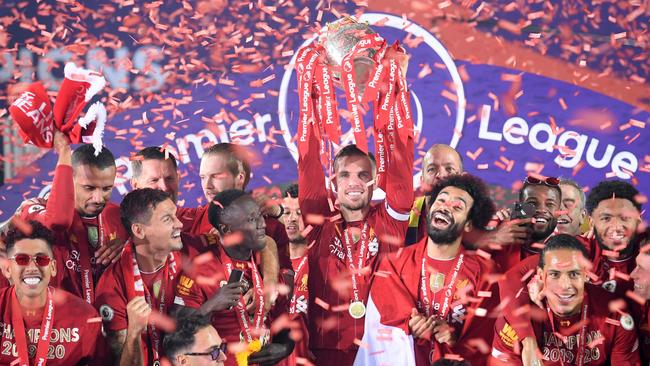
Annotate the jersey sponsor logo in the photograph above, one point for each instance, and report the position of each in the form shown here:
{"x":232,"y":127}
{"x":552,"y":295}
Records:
{"x":458,"y":314}
{"x":184,"y":285}
{"x":508,"y":335}
{"x":337,"y":249}
{"x":106,"y":313}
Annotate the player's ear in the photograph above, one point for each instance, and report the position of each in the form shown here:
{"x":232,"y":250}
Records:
{"x":138,"y":230}
{"x":53,"y":267}
{"x":468,"y":226}
{"x":4,"y":267}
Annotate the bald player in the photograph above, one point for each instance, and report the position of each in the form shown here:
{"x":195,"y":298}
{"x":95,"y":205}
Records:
{"x":439,"y":162}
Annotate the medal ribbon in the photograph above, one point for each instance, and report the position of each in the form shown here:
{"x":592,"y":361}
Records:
{"x":305,"y":60}
{"x":135,"y":287}
{"x":86,"y":258}
{"x":21,"y":336}
{"x":583,"y":331}
{"x":242,"y":314}
{"x":292,"y":306}
{"x":361,"y":256}
{"x":424,"y":289}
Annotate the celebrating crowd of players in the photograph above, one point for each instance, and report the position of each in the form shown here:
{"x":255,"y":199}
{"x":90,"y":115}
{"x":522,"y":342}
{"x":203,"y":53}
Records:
{"x":558,"y":279}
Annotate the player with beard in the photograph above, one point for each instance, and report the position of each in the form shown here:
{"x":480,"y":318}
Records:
{"x":546,"y":197}
{"x":439,"y":162}
{"x":641,"y":277}
{"x":87,"y":226}
{"x":40,"y":324}
{"x":614,"y":210}
{"x":349,"y":235}
{"x":572,"y":212}
{"x":576,"y":325}
{"x":615,"y":217}
{"x":144,"y":280}
{"x":426,"y":288}
{"x":237,"y":309}
{"x":295,"y":226}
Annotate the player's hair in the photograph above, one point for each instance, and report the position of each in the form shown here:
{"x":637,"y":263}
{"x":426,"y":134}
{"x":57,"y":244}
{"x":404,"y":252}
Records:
{"x":482,"y":209}
{"x":353,"y":150}
{"x":291,"y":191}
{"x":612,"y":189}
{"x":562,"y":241}
{"x":183,"y":337}
{"x":150,"y":153}
{"x":526,"y":185}
{"x":574,"y":184}
{"x":85,"y":155}
{"x":34,"y":230}
{"x":435,"y":146}
{"x":219,"y":206}
{"x":236,"y":159}
{"x":138,"y":205}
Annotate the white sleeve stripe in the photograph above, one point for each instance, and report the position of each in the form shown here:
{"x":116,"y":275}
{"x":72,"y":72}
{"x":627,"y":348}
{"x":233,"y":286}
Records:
{"x":396,"y":215}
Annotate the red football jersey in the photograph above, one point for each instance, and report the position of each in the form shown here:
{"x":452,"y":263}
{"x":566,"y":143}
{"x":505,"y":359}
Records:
{"x":112,"y":294}
{"x":76,"y":238}
{"x":398,"y":289}
{"x":331,"y":327}
{"x":203,"y":282}
{"x":608,"y":338}
{"x":75,"y":338}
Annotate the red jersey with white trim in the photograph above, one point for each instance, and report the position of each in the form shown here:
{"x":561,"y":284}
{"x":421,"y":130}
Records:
{"x":112,"y":290}
{"x":330,"y":282}
{"x":397,"y":289}
{"x":73,"y":234}
{"x":609,"y":338}
{"x":195,"y":222}
{"x":203,"y":282}
{"x":75,"y":339}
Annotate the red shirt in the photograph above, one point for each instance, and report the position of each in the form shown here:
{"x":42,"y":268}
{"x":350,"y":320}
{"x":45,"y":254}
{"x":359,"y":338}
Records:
{"x":204,"y":281}
{"x":76,"y":337}
{"x":73,"y":249}
{"x":618,"y":346}
{"x":195,"y":221}
{"x":514,"y":282}
{"x":332,"y":327}
{"x":398,"y":288}
{"x":112,"y":294}
{"x":300,"y":306}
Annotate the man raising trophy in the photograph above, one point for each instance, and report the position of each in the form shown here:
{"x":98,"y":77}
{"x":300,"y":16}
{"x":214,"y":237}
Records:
{"x":348,"y":234}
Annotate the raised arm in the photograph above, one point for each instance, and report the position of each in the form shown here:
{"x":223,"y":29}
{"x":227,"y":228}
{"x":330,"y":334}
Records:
{"x":312,"y":194}
{"x":399,"y":180}
{"x":58,"y":212}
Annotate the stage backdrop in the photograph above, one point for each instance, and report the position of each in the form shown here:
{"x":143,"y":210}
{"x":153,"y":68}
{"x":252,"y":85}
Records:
{"x":505,"y":122}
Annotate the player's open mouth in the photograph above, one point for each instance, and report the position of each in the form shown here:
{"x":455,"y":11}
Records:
{"x":32,"y":280}
{"x":563,"y":221}
{"x":354,"y":194}
{"x":617,"y":235}
{"x":540,"y":219}
{"x":441,"y":220}
{"x":176,"y":235}
{"x":565,"y":299}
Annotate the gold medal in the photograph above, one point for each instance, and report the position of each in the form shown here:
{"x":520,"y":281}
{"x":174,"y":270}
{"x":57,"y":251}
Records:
{"x":357,"y":310}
